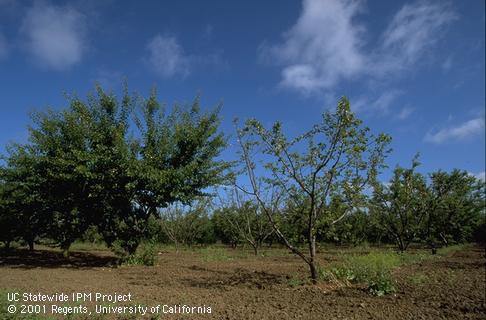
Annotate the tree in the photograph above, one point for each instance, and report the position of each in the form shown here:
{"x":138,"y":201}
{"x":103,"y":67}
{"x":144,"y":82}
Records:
{"x":60,"y":145}
{"x":9,"y":223}
{"x":187,"y":225}
{"x":87,"y":165}
{"x":225,"y":231}
{"x":23,"y":202}
{"x":246,"y":219}
{"x":336,"y":157}
{"x":456,"y":209}
{"x":402,"y":205}
{"x":176,"y":157}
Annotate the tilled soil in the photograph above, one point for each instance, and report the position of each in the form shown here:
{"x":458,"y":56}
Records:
{"x":449,"y":287}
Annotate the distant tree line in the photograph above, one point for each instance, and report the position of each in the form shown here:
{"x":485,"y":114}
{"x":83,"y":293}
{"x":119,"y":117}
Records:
{"x":124,"y":171}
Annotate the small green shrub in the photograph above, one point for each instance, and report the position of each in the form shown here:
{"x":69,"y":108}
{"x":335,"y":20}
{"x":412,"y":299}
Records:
{"x":295,"y":282}
{"x":146,"y":255}
{"x":373,"y":269}
{"x":214,"y":254}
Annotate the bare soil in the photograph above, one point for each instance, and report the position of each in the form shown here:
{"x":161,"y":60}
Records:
{"x":449,"y":287}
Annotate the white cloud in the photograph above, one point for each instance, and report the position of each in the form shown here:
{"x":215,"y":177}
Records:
{"x":380,"y":104}
{"x":413,"y":31}
{"x":55,"y":36}
{"x":322,"y":48}
{"x":405,"y":113}
{"x":167,"y":57}
{"x":465,"y":130}
{"x":326,"y":44}
{"x":384,"y":101}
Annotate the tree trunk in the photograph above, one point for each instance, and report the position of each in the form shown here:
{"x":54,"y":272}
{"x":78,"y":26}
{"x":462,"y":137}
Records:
{"x":31,"y":244}
{"x":312,"y":262}
{"x":255,"y":250}
{"x":313,"y":271}
{"x":65,"y":251}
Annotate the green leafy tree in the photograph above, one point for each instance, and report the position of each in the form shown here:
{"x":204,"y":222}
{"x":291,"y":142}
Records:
{"x":335,"y":157}
{"x":456,"y":209}
{"x":23,"y":206}
{"x":9,"y":223}
{"x":224,"y":230}
{"x":176,"y":157}
{"x":402,"y":204}
{"x":96,"y":163}
{"x":188,"y":225}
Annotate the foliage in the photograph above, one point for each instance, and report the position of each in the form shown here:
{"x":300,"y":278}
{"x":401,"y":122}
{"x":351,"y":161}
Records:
{"x":457,"y":208}
{"x":373,"y":269}
{"x":402,"y":205}
{"x":214,"y":254}
{"x":187,"y":225}
{"x":146,"y":255}
{"x":89,"y":165}
{"x":335,"y":158}
{"x":225,"y":231}
{"x":243,"y":219}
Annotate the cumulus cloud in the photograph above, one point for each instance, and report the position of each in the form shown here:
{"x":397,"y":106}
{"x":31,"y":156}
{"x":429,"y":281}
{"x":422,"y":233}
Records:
{"x":325,"y":46}
{"x":54,"y":36}
{"x":167,"y":57}
{"x":463,"y":131}
{"x":322,"y":48}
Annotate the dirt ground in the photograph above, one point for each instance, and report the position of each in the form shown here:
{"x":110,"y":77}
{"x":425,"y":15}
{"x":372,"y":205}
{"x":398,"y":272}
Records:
{"x":450,"y":287}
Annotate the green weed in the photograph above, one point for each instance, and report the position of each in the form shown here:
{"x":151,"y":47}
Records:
{"x":214,"y":254}
{"x":146,"y":255}
{"x":374,"y":269}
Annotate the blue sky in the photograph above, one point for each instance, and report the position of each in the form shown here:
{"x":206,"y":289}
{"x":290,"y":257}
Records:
{"x":412,"y":69}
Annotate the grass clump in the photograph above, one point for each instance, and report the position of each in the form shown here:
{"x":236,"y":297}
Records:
{"x":373,"y":269}
{"x":449,"y":249}
{"x":419,"y":278}
{"x":214,"y":254}
{"x":409,"y":258}
{"x":146,"y":255}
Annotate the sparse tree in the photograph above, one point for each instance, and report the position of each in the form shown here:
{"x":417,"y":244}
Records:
{"x":336,"y":157}
{"x":246,"y":218}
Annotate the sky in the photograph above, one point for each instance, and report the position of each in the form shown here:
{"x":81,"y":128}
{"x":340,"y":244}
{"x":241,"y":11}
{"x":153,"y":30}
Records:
{"x":412,"y":69}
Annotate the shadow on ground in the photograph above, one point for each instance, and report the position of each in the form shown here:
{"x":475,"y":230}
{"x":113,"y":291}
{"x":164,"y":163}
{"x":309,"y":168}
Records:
{"x":22,"y":258}
{"x":240,"y":277}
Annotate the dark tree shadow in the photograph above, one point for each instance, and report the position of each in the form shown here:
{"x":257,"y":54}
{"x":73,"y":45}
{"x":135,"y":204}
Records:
{"x":25,"y":259}
{"x":240,"y":277}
